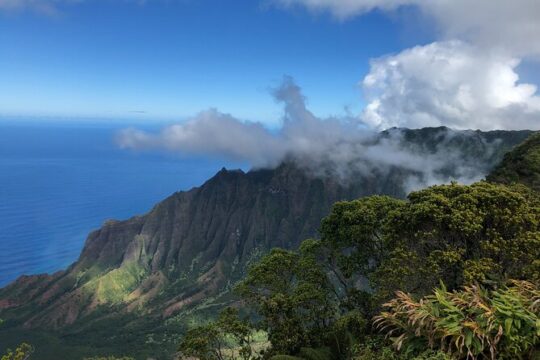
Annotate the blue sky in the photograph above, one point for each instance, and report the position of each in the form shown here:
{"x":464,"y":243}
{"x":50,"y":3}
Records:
{"x":404,"y":63}
{"x":113,"y":59}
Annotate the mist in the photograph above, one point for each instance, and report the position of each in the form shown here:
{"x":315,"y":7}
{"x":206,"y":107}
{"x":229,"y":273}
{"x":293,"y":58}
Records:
{"x":342,"y":147}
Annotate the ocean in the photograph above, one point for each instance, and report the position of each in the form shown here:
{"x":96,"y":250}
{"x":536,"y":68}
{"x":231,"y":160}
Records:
{"x":61,"y":180}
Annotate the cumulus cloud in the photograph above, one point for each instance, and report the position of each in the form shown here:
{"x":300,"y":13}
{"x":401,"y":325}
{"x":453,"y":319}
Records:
{"x":509,"y":26}
{"x":466,"y":80}
{"x":339,"y":147}
{"x":452,"y":84}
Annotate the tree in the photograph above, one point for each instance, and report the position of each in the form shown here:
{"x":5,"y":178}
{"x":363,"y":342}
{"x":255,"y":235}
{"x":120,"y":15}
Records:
{"x":109,"y":358}
{"x":461,"y":235}
{"x":227,"y":338}
{"x":454,"y":233}
{"x":317,"y":299}
{"x":290,"y":291}
{"x":353,"y":246}
{"x":23,"y":352}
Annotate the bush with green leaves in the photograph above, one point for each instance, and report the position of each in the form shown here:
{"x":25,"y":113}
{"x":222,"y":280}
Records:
{"x":109,"y":358}
{"x":227,"y":338}
{"x":377,"y":348}
{"x":472,"y":323}
{"x":455,"y":233}
{"x":290,"y":291}
{"x":23,"y":352}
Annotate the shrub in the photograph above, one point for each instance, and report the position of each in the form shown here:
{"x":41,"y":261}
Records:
{"x":472,"y":323}
{"x":23,"y":352}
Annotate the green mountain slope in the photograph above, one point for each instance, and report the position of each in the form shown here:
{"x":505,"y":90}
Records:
{"x":521,"y":165}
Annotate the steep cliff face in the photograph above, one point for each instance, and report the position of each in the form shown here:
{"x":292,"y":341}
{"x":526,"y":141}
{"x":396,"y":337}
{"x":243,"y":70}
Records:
{"x":194,"y":244}
{"x":192,"y":247}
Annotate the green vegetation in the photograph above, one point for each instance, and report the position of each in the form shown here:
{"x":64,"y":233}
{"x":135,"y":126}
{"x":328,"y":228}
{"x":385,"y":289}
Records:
{"x":458,"y":234}
{"x":23,"y":352}
{"x":521,"y":165}
{"x":332,"y":297}
{"x":290,"y":290}
{"x":227,"y":338}
{"x":474,"y":322}
{"x":117,"y":284}
{"x":109,"y":358}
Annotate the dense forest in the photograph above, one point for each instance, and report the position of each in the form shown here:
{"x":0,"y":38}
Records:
{"x":451,"y":272}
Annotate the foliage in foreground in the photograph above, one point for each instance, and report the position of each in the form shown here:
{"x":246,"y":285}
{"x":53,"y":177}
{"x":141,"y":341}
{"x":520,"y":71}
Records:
{"x":109,"y":358}
{"x":454,"y":233}
{"x":227,"y":338}
{"x":290,"y":291}
{"x":377,"y":348}
{"x":474,"y":323}
{"x":23,"y":352}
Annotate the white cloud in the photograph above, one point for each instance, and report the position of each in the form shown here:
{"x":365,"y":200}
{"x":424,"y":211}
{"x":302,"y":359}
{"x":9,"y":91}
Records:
{"x":467,"y":79}
{"x":340,"y":147}
{"x":508,"y":25}
{"x":215,"y":133}
{"x":211,"y":133}
{"x":452,"y":84}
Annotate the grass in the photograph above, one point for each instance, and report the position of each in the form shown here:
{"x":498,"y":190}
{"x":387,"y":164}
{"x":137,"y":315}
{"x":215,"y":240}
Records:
{"x":117,"y":284}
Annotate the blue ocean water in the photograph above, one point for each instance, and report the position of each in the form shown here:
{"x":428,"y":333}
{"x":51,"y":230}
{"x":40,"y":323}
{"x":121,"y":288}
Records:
{"x":61,"y":180}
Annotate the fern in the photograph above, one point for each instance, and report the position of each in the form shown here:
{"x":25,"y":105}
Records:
{"x":472,"y":323}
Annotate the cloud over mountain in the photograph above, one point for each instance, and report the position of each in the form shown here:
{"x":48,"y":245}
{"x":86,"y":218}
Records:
{"x":341,"y":147}
{"x":214,"y":133}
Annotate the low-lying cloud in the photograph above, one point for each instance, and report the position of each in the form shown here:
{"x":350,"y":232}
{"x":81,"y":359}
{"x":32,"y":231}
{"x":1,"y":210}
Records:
{"x":341,"y":147}
{"x":217,"y":134}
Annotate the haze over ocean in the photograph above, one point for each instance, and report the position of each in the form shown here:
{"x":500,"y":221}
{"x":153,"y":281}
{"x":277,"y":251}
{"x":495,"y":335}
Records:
{"x":61,"y":180}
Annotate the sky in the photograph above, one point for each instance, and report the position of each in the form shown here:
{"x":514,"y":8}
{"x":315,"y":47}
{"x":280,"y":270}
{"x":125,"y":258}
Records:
{"x":172,"y":59}
{"x":375,"y":63}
